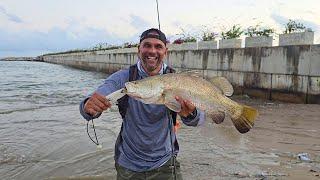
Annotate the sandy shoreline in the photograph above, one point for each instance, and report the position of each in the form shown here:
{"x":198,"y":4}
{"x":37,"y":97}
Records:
{"x":269,"y":150}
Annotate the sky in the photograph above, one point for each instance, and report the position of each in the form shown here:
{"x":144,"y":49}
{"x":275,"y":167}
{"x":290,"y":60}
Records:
{"x":36,"y":27}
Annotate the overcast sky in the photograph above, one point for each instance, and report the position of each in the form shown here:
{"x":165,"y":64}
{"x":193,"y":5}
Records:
{"x":34,"y":27}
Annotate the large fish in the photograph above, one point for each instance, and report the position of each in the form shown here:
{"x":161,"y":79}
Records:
{"x":210,"y":97}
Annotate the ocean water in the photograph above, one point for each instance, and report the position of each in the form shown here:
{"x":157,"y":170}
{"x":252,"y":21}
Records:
{"x":42,"y":133}
{"x":32,"y":85}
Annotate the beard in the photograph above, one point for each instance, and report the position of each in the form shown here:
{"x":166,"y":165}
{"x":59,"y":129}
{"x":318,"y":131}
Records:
{"x":151,"y":64}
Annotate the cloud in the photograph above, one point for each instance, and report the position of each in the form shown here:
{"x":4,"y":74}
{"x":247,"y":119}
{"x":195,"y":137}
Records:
{"x":244,"y":3}
{"x":55,"y":40}
{"x":309,"y":24}
{"x":76,"y":35}
{"x":281,"y":21}
{"x":10,"y":17}
{"x":138,"y":22}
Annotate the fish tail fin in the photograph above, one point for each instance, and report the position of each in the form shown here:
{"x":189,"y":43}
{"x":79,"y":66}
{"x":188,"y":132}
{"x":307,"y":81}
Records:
{"x":246,"y":120}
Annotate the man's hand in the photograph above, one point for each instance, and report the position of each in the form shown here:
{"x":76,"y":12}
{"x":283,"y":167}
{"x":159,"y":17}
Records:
{"x":96,"y":104}
{"x":186,"y":107}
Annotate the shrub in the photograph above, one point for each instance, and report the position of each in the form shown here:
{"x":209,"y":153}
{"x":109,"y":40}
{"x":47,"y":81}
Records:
{"x":104,"y":46}
{"x":184,"y":37}
{"x":258,"y":31}
{"x":293,"y":26}
{"x":234,"y":32}
{"x":208,"y":36}
{"x":130,"y":45}
{"x":178,"y":41}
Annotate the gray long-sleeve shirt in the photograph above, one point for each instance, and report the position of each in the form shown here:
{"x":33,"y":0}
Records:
{"x":146,"y":142}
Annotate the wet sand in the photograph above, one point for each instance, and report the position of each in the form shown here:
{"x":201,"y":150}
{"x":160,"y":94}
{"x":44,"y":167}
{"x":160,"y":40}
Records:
{"x":52,"y":143}
{"x":270,"y":150}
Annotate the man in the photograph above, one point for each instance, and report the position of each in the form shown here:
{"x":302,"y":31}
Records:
{"x":146,"y":146}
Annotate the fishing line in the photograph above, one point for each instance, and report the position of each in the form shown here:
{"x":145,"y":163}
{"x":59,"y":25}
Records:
{"x":171,"y":127}
{"x":95,"y":134}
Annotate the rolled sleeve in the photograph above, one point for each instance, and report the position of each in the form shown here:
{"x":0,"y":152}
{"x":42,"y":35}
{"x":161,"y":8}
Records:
{"x":194,"y":121}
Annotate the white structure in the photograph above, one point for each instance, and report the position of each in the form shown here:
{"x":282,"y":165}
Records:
{"x":229,"y":43}
{"x":303,"y":38}
{"x":259,"y":41}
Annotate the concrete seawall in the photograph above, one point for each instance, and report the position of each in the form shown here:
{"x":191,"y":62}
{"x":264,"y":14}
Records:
{"x":286,"y":73}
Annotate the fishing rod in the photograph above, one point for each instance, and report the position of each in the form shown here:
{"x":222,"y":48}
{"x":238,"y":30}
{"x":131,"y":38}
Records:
{"x":171,"y":125}
{"x":158,"y":13}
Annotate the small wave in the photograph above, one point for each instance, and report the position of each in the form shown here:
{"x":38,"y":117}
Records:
{"x":93,"y":177}
{"x":30,"y":109}
{"x":11,"y":158}
{"x":32,"y":86}
{"x":35,"y":121}
{"x":8,"y":156}
{"x":18,"y":110}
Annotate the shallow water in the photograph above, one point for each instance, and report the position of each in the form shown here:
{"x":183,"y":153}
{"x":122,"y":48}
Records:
{"x":43,"y":136}
{"x":32,"y":85}
{"x":41,"y":131}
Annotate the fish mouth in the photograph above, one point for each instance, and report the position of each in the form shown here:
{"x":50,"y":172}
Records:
{"x":124,"y":90}
{"x":136,"y":95}
{"x":131,"y":94}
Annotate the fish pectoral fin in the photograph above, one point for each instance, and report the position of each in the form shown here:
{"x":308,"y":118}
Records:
{"x":223,"y":84}
{"x":216,"y":116}
{"x":170,"y":100}
{"x":173,"y":105}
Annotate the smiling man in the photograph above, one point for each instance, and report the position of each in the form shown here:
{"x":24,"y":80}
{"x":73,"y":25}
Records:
{"x":146,"y":147}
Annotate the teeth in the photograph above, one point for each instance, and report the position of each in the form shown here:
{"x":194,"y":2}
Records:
{"x":151,"y":57}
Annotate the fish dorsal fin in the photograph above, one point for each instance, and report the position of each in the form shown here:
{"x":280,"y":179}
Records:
{"x":223,"y":84}
{"x":194,"y":73}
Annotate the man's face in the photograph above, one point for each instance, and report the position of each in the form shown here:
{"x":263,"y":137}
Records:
{"x":152,"y":51}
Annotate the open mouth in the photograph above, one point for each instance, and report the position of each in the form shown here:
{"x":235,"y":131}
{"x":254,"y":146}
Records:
{"x":151,"y":58}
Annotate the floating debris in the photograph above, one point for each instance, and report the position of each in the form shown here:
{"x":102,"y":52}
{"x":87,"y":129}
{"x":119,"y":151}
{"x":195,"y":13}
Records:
{"x":304,"y":157}
{"x":265,"y":174}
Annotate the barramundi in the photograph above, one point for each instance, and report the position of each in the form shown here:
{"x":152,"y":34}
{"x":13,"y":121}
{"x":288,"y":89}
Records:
{"x":208,"y":96}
